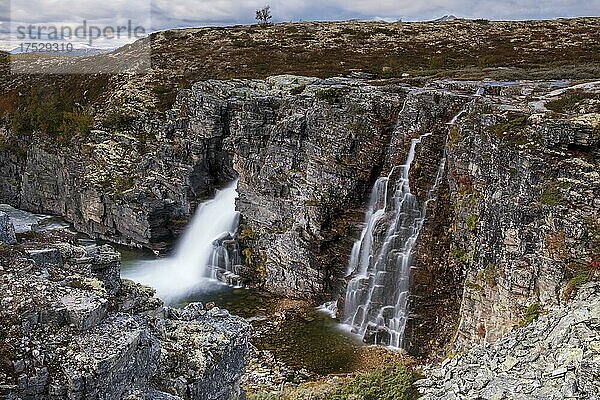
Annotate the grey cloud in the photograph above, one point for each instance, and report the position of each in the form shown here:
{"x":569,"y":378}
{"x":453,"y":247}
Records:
{"x":173,"y":13}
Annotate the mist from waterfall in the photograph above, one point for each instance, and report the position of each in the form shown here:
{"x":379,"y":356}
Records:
{"x":380,"y":262}
{"x":191,"y":267}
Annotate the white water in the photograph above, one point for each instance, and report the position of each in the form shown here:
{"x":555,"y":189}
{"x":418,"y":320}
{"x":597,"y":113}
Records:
{"x":189,"y":269}
{"x":380,"y":263}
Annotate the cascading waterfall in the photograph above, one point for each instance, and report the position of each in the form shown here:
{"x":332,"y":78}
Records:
{"x":225,"y":260}
{"x":377,"y":294}
{"x":201,"y":254}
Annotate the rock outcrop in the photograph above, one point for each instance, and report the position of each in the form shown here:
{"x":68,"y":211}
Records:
{"x":73,"y":329}
{"x":555,"y":357}
{"x":7,"y":230}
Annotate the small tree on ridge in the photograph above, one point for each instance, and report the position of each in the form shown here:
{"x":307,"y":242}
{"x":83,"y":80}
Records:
{"x":263,"y":16}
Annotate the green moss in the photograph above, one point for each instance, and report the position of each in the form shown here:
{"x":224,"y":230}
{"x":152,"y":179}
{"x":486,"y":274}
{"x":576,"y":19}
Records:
{"x":515,"y":132}
{"x":331,"y":96}
{"x":121,"y":184}
{"x":514,"y":125}
{"x":488,"y":275}
{"x":531,"y":314}
{"x":475,"y":287}
{"x":297,"y":90}
{"x":392,"y":383}
{"x":472,"y":222}
{"x":580,"y":279}
{"x":453,"y":136}
{"x":580,"y":274}
{"x":456,"y":253}
{"x":552,"y":196}
{"x":119,"y":119}
{"x":474,"y":198}
{"x":461,"y":255}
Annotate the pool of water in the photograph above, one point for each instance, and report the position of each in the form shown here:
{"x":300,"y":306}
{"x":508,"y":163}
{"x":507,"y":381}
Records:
{"x":300,"y":336}
{"x":295,"y":332}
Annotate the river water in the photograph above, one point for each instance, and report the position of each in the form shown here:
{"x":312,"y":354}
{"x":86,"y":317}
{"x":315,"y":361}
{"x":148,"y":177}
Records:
{"x":296,"y":333}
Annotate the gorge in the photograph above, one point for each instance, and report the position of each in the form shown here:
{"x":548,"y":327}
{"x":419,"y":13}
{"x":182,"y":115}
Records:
{"x":434,"y":216}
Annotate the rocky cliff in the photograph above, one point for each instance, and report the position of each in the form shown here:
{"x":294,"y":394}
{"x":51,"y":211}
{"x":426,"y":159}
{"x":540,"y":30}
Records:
{"x":512,"y":225}
{"x":557,"y":357}
{"x":71,"y":328}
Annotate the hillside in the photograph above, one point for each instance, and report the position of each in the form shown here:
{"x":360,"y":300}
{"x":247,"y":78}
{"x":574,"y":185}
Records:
{"x":414,"y":53}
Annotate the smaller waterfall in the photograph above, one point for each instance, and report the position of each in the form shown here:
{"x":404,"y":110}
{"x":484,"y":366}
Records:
{"x":330,"y":308}
{"x":225,"y":261}
{"x":379,"y":267}
{"x":201,"y":255}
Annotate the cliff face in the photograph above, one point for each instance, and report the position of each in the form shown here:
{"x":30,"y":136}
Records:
{"x":307,"y":152}
{"x":72,"y":329}
{"x":525,"y":189}
{"x":135,"y":185}
{"x":554,"y":358}
{"x":512,"y":224}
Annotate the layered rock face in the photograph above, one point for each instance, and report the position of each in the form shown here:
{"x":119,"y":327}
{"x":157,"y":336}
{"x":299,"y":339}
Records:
{"x":307,"y":152}
{"x":556,"y":357}
{"x":132,"y":185}
{"x":512,"y":224}
{"x":73,"y":329}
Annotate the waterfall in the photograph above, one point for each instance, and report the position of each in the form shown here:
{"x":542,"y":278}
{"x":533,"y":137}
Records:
{"x":200,"y":255}
{"x":380,"y":262}
{"x":379,"y":268}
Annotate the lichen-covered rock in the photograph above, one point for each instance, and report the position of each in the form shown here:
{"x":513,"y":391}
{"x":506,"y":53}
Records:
{"x":307,"y":152}
{"x":7,"y":230}
{"x":513,"y":223}
{"x":74,"y":330}
{"x":555,"y":357}
{"x":524,"y":192}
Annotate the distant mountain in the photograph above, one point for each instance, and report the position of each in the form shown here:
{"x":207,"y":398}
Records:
{"x":77,"y":52}
{"x":446,"y":18}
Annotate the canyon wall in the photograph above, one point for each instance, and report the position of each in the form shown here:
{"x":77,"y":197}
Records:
{"x":513,"y":225}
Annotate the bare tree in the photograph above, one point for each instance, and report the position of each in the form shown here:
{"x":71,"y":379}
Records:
{"x":263,"y":16}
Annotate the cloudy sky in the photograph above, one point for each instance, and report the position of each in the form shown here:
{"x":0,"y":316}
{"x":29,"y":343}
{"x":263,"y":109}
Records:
{"x":182,"y":13}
